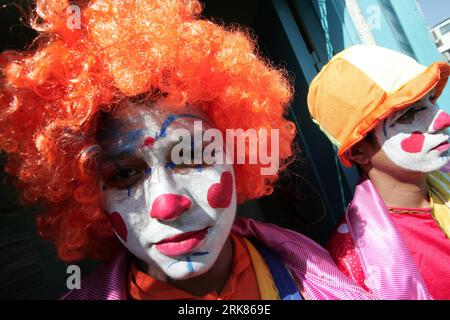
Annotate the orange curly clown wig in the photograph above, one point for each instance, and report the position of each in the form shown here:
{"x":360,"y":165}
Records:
{"x":50,"y":99}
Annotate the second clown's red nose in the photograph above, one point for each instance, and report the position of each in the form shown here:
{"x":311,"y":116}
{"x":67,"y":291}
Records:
{"x":169,"y":206}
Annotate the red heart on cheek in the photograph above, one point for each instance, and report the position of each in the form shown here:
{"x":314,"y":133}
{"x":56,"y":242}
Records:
{"x":219,"y":194}
{"x":119,"y":225}
{"x":414,"y":143}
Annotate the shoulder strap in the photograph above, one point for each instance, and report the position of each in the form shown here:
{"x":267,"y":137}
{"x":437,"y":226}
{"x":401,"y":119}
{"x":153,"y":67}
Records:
{"x":284,"y":282}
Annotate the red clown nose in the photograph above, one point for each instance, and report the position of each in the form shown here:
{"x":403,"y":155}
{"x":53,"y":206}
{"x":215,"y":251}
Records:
{"x":169,"y":206}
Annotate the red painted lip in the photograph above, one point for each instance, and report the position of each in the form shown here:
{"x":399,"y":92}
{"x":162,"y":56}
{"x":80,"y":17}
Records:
{"x":181,"y":243}
{"x":444,"y":146}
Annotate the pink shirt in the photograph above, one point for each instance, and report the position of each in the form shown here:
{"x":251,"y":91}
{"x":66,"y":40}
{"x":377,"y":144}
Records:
{"x":430,"y":249}
{"x":426,"y":242}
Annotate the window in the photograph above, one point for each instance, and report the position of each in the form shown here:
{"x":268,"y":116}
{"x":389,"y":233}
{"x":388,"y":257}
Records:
{"x":445,"y":29}
{"x":433,"y":33}
{"x":447,"y":55}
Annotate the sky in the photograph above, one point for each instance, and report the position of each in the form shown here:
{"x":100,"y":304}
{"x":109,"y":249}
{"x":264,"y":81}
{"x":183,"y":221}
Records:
{"x":435,"y":11}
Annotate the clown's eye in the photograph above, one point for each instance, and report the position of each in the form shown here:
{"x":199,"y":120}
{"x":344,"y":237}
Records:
{"x":183,"y":168}
{"x":189,"y":165}
{"x":124,"y":177}
{"x":123,"y":173}
{"x":407,"y":117}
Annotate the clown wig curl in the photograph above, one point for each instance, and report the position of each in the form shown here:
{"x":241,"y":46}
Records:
{"x":91,"y":55}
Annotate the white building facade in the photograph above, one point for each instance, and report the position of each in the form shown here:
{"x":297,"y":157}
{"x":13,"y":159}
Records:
{"x":441,"y":35}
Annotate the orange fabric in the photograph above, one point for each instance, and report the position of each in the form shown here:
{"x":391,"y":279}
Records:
{"x":348,"y":104}
{"x":143,"y":287}
{"x":435,"y":76}
{"x":338,"y":106}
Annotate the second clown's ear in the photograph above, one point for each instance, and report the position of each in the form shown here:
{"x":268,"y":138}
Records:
{"x":361,"y":153}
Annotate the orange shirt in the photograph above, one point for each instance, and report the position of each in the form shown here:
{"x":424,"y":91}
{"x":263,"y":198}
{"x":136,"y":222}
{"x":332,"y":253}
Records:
{"x":141,"y":286}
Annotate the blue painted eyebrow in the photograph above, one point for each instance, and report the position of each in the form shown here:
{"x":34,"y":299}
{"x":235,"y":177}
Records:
{"x":129,"y":143}
{"x":170,"y":165}
{"x":126,"y":146}
{"x":170,"y":119}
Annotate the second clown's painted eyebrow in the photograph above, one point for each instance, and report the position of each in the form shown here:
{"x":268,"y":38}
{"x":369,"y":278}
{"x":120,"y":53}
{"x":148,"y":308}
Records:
{"x":398,"y":117}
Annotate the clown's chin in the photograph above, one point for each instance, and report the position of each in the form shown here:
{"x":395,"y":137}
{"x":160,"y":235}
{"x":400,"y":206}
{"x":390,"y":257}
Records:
{"x":187,"y":269}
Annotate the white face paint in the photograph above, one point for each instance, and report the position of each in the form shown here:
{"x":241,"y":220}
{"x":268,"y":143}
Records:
{"x":416,"y":138}
{"x":174,"y":218}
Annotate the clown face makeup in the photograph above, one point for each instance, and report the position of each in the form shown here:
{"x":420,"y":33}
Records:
{"x":416,"y":138}
{"x":176,"y":218}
